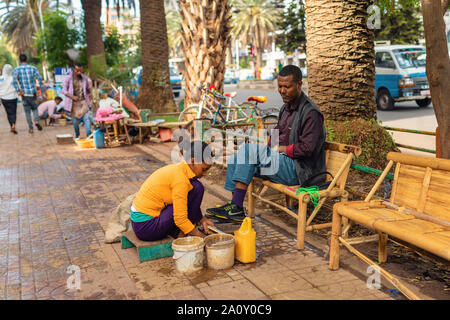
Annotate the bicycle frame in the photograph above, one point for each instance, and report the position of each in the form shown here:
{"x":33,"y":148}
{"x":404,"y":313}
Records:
{"x":229,"y":105}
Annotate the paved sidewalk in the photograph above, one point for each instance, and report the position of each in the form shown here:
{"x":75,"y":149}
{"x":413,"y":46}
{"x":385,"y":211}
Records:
{"x":56,"y":200}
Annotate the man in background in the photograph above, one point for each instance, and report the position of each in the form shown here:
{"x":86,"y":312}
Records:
{"x":25,"y":77}
{"x":47,"y":109}
{"x":77,"y":89}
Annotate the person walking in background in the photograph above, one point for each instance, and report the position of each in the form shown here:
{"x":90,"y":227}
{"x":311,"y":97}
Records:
{"x":77,"y":89}
{"x":8,"y":96}
{"x":24,"y":81}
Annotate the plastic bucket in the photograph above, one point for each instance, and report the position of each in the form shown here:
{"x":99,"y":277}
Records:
{"x":188,"y":254}
{"x":85,"y":143}
{"x":219,"y":251}
{"x":99,"y":139}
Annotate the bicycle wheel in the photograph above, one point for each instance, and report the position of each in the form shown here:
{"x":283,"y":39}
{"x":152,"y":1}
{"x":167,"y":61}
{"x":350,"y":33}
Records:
{"x":190,"y":113}
{"x":270,"y":121}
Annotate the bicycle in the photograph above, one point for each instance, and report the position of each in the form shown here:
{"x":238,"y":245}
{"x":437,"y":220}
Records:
{"x":211,"y":108}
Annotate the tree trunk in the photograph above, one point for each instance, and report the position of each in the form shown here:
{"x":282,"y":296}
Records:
{"x":205,"y":37}
{"x":155,"y":92}
{"x":33,"y":18}
{"x":340,"y":58}
{"x":438,"y":68}
{"x":95,"y":48}
{"x":258,"y":62}
{"x":229,"y":55}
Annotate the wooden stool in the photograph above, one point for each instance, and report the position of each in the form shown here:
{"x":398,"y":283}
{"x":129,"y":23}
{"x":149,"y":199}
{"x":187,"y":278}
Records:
{"x":118,"y":135}
{"x":148,"y":250}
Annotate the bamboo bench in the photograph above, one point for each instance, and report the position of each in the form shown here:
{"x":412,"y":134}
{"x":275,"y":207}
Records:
{"x":338,"y":159}
{"x":417,"y":213}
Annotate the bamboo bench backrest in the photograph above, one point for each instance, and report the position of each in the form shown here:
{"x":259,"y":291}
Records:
{"x":422,"y":184}
{"x":335,"y":156}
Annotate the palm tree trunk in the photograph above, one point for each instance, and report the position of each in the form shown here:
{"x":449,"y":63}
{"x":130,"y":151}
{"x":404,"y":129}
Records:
{"x":438,"y":67}
{"x":95,"y":48}
{"x":155,"y":92}
{"x":33,"y":18}
{"x":205,"y":38}
{"x":340,"y":58}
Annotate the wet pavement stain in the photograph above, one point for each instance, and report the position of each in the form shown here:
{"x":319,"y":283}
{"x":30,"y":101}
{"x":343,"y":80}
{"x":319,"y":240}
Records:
{"x":203,"y":276}
{"x":146,"y":287}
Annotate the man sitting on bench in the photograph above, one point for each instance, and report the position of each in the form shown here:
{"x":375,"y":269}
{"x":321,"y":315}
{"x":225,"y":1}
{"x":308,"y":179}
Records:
{"x":299,"y":155}
{"x":168,"y":203}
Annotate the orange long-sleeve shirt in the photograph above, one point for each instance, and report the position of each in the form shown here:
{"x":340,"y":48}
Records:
{"x":167,"y":185}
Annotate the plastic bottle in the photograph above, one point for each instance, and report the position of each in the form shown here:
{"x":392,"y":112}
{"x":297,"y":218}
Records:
{"x":245,"y":242}
{"x":99,"y":139}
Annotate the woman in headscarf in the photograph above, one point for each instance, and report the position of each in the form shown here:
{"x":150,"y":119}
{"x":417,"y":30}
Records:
{"x":8,"y":95}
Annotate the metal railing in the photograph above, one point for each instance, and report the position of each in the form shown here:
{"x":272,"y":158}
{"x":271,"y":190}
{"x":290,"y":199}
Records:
{"x":429,"y":133}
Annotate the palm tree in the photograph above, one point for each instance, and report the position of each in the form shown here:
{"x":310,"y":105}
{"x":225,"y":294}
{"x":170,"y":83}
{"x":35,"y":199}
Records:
{"x":19,"y":24}
{"x":205,"y":37}
{"x":254,"y":20}
{"x":155,"y":92}
{"x":94,"y":37}
{"x":340,"y":58}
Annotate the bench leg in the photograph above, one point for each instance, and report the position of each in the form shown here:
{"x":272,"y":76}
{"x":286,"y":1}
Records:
{"x":251,"y":201}
{"x":336,"y":229}
{"x":382,"y":247}
{"x":345,"y":220}
{"x":301,"y":224}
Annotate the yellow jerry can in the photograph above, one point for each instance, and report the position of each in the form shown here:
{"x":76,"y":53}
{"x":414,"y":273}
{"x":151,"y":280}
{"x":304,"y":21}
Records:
{"x":245,"y":242}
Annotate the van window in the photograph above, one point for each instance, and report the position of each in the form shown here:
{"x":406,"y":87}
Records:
{"x":410,"y":58}
{"x":173,"y":72}
{"x":384,"y":60}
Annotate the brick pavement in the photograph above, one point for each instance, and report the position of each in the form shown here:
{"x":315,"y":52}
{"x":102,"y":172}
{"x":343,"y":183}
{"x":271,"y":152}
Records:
{"x":55,"y":202}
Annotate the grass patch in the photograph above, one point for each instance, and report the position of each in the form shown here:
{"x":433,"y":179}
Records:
{"x":169,"y":118}
{"x":373,"y":139}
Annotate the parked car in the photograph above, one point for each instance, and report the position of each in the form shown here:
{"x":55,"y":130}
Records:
{"x":175,"y":80}
{"x":400,"y":76}
{"x":304,"y":72}
{"x":230,"y":77}
{"x":246,"y":74}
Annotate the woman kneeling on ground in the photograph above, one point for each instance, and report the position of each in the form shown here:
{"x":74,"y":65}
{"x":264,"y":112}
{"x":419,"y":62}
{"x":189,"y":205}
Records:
{"x":168,"y":203}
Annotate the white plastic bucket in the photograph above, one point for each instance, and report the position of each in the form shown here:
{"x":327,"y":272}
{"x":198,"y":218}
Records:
{"x":188,"y":254}
{"x":219,"y":251}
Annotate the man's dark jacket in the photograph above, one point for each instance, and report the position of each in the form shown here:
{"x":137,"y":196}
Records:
{"x":307,"y":167}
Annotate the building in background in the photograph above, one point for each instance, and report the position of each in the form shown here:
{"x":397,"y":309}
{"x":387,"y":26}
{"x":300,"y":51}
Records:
{"x":127,"y":23}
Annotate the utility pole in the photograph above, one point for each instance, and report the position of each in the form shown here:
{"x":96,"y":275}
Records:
{"x":44,"y":63}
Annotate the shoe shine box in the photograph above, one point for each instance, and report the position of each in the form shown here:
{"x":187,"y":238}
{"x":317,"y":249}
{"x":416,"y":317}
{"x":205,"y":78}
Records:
{"x":64,"y":138}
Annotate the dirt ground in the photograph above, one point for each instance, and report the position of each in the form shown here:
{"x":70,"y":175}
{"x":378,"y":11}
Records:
{"x":428,"y":273}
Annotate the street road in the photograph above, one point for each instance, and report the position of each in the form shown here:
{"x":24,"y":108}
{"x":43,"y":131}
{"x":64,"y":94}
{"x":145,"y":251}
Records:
{"x":406,"y":115}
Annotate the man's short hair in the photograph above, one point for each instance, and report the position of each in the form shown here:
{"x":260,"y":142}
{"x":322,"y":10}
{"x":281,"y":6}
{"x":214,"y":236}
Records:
{"x":23,"y":58}
{"x":78,"y":64}
{"x":59,"y":98}
{"x":199,"y":150}
{"x":291,"y":70}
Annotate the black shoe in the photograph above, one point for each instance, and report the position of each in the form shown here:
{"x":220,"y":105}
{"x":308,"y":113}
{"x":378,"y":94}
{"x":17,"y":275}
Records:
{"x":229,"y":211}
{"x":38,"y":126}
